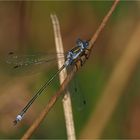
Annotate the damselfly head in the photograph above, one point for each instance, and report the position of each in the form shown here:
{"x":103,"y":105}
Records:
{"x":82,"y":43}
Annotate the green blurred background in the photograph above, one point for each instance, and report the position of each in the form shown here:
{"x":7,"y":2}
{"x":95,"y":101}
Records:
{"x":25,"y":27}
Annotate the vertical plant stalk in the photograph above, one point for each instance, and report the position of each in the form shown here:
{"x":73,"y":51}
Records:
{"x":66,"y":100}
{"x":56,"y":96}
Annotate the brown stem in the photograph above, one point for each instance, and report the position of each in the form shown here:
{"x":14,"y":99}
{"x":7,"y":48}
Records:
{"x":103,"y":23}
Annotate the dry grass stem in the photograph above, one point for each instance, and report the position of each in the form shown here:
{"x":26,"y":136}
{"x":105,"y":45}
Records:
{"x":67,"y":106}
{"x":77,"y":66}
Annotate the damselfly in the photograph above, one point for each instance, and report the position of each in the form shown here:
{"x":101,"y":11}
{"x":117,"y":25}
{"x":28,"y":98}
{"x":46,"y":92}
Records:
{"x":71,"y":57}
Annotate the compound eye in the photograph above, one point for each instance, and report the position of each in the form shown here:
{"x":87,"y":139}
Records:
{"x":78,"y":42}
{"x":87,"y":43}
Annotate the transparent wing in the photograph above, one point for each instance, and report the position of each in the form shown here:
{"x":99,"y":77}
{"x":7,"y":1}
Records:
{"x":34,"y":59}
{"x":77,"y":95}
{"x":32,"y":63}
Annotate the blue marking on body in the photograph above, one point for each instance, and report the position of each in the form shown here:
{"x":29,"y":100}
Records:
{"x":73,"y":54}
